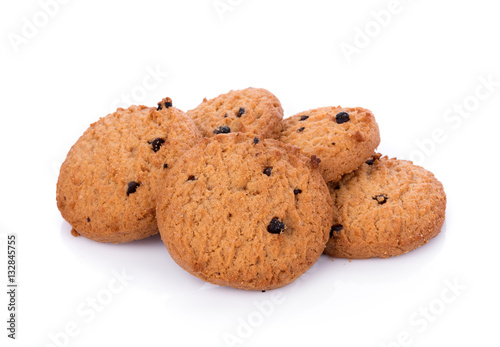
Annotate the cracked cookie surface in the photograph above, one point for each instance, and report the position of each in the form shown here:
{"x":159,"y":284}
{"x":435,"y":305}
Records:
{"x":387,"y":207}
{"x":342,"y":138}
{"x":243,"y":212}
{"x":254,"y":111}
{"x":107,"y":185}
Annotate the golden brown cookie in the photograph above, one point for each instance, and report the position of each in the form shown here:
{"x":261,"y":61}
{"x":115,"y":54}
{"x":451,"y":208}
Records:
{"x":343,"y":138}
{"x":253,"y":110}
{"x":387,"y":207}
{"x":246,"y":213}
{"x":107,"y":184}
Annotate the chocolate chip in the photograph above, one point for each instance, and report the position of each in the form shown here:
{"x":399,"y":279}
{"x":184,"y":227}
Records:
{"x":263,"y":291}
{"x":132,"y":187}
{"x":276,"y":226}
{"x":381,"y":199}
{"x":333,"y":143}
{"x":267,"y":171}
{"x":191,"y":178}
{"x":156,"y":144}
{"x":342,"y":117}
{"x":225,"y":115}
{"x":223,"y":129}
{"x":167,"y":104}
{"x":300,"y":129}
{"x":337,"y":187}
{"x":88,"y":219}
{"x":241,"y":112}
{"x":255,"y":140}
{"x":302,"y":118}
{"x":165,"y":166}
{"x":297,"y":191}
{"x":370,"y":161}
{"x":335,"y":228}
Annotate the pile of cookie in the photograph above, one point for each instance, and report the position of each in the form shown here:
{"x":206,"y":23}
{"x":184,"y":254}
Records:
{"x":241,"y":196}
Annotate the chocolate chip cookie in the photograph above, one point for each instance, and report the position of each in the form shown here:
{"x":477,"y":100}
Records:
{"x":342,"y":138}
{"x":107,"y":184}
{"x":253,"y":110}
{"x":387,"y":207}
{"x":245,"y":212}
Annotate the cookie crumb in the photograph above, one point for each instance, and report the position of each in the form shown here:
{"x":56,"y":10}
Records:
{"x":358,"y":136}
{"x":315,"y":161}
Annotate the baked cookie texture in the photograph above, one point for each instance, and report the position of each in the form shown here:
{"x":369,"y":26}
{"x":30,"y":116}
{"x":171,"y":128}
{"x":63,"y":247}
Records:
{"x":254,"y":111}
{"x":387,"y":207}
{"x":107,"y":185}
{"x":243,"y":212}
{"x":343,"y":138}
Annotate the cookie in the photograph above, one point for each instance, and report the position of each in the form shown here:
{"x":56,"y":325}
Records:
{"x":253,"y":110}
{"x":243,"y":212}
{"x":107,"y":185}
{"x":343,"y":138}
{"x":387,"y":207}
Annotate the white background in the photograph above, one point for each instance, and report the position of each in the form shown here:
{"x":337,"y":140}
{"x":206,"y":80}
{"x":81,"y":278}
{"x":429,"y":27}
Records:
{"x":68,"y":68}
